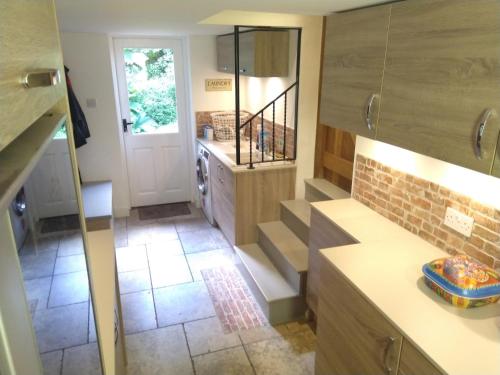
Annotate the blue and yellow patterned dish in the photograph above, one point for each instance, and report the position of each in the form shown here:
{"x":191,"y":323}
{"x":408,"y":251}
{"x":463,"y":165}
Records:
{"x":462,"y":281}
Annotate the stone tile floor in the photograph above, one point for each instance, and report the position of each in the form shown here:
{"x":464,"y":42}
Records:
{"x":56,"y":282}
{"x":169,"y":317}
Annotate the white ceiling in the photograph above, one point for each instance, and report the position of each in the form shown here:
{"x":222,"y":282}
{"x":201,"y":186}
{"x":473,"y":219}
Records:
{"x":161,"y":17}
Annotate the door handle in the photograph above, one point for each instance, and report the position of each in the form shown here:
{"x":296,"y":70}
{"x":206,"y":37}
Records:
{"x":389,"y":370}
{"x":481,"y":127}
{"x":368,"y":113}
{"x":125,"y":124}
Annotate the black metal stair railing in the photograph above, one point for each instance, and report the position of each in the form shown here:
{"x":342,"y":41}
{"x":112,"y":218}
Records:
{"x":273,"y":154}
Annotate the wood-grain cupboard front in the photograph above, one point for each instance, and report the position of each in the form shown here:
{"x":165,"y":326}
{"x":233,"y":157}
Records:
{"x":263,"y":53}
{"x":29,"y":41}
{"x":353,"y":337}
{"x":441,"y":79}
{"x":353,"y":66}
{"x":356,"y":338}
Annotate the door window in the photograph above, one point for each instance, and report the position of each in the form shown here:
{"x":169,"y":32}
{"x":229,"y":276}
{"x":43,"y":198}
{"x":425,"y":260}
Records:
{"x":151,"y":90}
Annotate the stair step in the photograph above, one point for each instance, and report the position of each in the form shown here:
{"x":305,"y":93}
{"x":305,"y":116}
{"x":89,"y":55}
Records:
{"x":319,"y":189}
{"x":278,"y":300}
{"x":287,"y":252}
{"x":296,"y":214}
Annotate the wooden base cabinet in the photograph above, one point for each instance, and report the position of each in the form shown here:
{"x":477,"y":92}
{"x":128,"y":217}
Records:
{"x":355,"y":338}
{"x":243,"y":198}
{"x":223,"y":191}
{"x":323,"y":234}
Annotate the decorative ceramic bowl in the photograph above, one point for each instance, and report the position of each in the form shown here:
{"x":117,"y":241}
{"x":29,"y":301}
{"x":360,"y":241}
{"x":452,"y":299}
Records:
{"x":462,"y":281}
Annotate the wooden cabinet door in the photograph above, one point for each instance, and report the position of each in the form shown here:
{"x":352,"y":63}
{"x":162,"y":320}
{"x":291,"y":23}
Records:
{"x":222,"y":184}
{"x":353,"y":337}
{"x":247,"y":53}
{"x":225,"y":53}
{"x":353,"y":65}
{"x":442,"y":73}
{"x":29,"y":41}
{"x":323,"y":234}
{"x":496,"y":163}
{"x":412,"y":362}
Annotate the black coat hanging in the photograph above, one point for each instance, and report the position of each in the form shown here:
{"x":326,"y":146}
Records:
{"x":80,"y":128}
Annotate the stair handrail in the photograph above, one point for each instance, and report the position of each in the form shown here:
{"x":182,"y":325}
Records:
{"x":268,"y":105}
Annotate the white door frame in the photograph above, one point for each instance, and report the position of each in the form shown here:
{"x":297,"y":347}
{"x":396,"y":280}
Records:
{"x":182,"y":76}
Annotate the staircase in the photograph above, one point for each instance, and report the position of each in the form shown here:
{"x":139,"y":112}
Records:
{"x":275,"y":268}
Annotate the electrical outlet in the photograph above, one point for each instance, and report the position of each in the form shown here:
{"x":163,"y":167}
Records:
{"x":458,"y":221}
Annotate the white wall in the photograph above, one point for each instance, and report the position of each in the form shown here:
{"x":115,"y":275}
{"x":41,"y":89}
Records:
{"x":310,"y":63}
{"x":203,"y":64}
{"x":88,"y":57}
{"x":478,"y":186}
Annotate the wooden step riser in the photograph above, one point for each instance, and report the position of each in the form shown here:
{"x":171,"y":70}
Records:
{"x":276,"y":312}
{"x":296,"y":225}
{"x":314,"y":195}
{"x":295,"y":279}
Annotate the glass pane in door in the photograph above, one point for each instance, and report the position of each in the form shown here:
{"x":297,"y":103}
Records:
{"x":151,"y":90}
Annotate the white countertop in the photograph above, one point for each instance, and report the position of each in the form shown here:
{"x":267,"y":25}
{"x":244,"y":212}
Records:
{"x":386,"y":267}
{"x":222,"y":150}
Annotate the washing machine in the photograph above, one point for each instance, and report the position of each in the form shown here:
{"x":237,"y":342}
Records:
{"x":19,"y":218}
{"x":203,"y":179}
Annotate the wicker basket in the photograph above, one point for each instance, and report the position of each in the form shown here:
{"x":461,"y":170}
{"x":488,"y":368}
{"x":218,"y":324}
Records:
{"x":224,"y":124}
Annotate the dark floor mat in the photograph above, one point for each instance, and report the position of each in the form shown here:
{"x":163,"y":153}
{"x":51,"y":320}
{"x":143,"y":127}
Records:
{"x":59,"y":223}
{"x":163,"y":210}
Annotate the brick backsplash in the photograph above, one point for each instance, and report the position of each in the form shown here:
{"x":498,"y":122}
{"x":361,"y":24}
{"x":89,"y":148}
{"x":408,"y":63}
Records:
{"x":419,"y":206}
{"x":203,"y":118}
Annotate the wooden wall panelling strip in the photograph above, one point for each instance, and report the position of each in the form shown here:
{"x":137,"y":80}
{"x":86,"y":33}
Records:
{"x":320,"y":129}
{"x":21,"y":156}
{"x":338,"y":165}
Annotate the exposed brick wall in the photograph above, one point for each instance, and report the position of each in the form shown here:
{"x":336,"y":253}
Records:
{"x":419,"y":206}
{"x":203,"y":118}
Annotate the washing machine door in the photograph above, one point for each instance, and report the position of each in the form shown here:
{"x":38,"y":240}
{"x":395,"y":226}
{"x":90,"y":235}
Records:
{"x":19,"y":203}
{"x":202,"y":174}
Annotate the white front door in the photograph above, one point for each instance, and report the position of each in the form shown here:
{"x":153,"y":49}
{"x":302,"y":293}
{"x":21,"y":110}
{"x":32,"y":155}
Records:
{"x":150,"y":74}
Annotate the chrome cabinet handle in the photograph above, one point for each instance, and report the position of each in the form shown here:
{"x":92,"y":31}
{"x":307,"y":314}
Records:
{"x":481,"y":127}
{"x":387,"y":366}
{"x":368,"y":113}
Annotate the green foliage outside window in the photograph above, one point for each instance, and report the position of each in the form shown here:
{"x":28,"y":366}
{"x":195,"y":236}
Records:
{"x":151,"y":88}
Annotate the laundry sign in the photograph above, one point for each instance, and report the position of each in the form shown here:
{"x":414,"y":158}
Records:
{"x":219,"y":84}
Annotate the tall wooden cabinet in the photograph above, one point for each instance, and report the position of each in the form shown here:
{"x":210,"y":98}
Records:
{"x":442,"y":74}
{"x":29,"y":41}
{"x":353,"y":67}
{"x":437,"y":71}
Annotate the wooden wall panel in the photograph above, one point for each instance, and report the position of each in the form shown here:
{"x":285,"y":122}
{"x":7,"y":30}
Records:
{"x":334,"y":159}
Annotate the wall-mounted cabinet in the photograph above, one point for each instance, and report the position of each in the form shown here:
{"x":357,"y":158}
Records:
{"x":440,"y":77}
{"x":263,"y":53}
{"x":353,"y":66}
{"x":496,"y":163}
{"x":442,"y":73}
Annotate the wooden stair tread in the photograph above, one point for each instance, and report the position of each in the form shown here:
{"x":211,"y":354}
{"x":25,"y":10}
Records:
{"x":287,"y":243}
{"x":327,"y":188}
{"x":269,"y":280}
